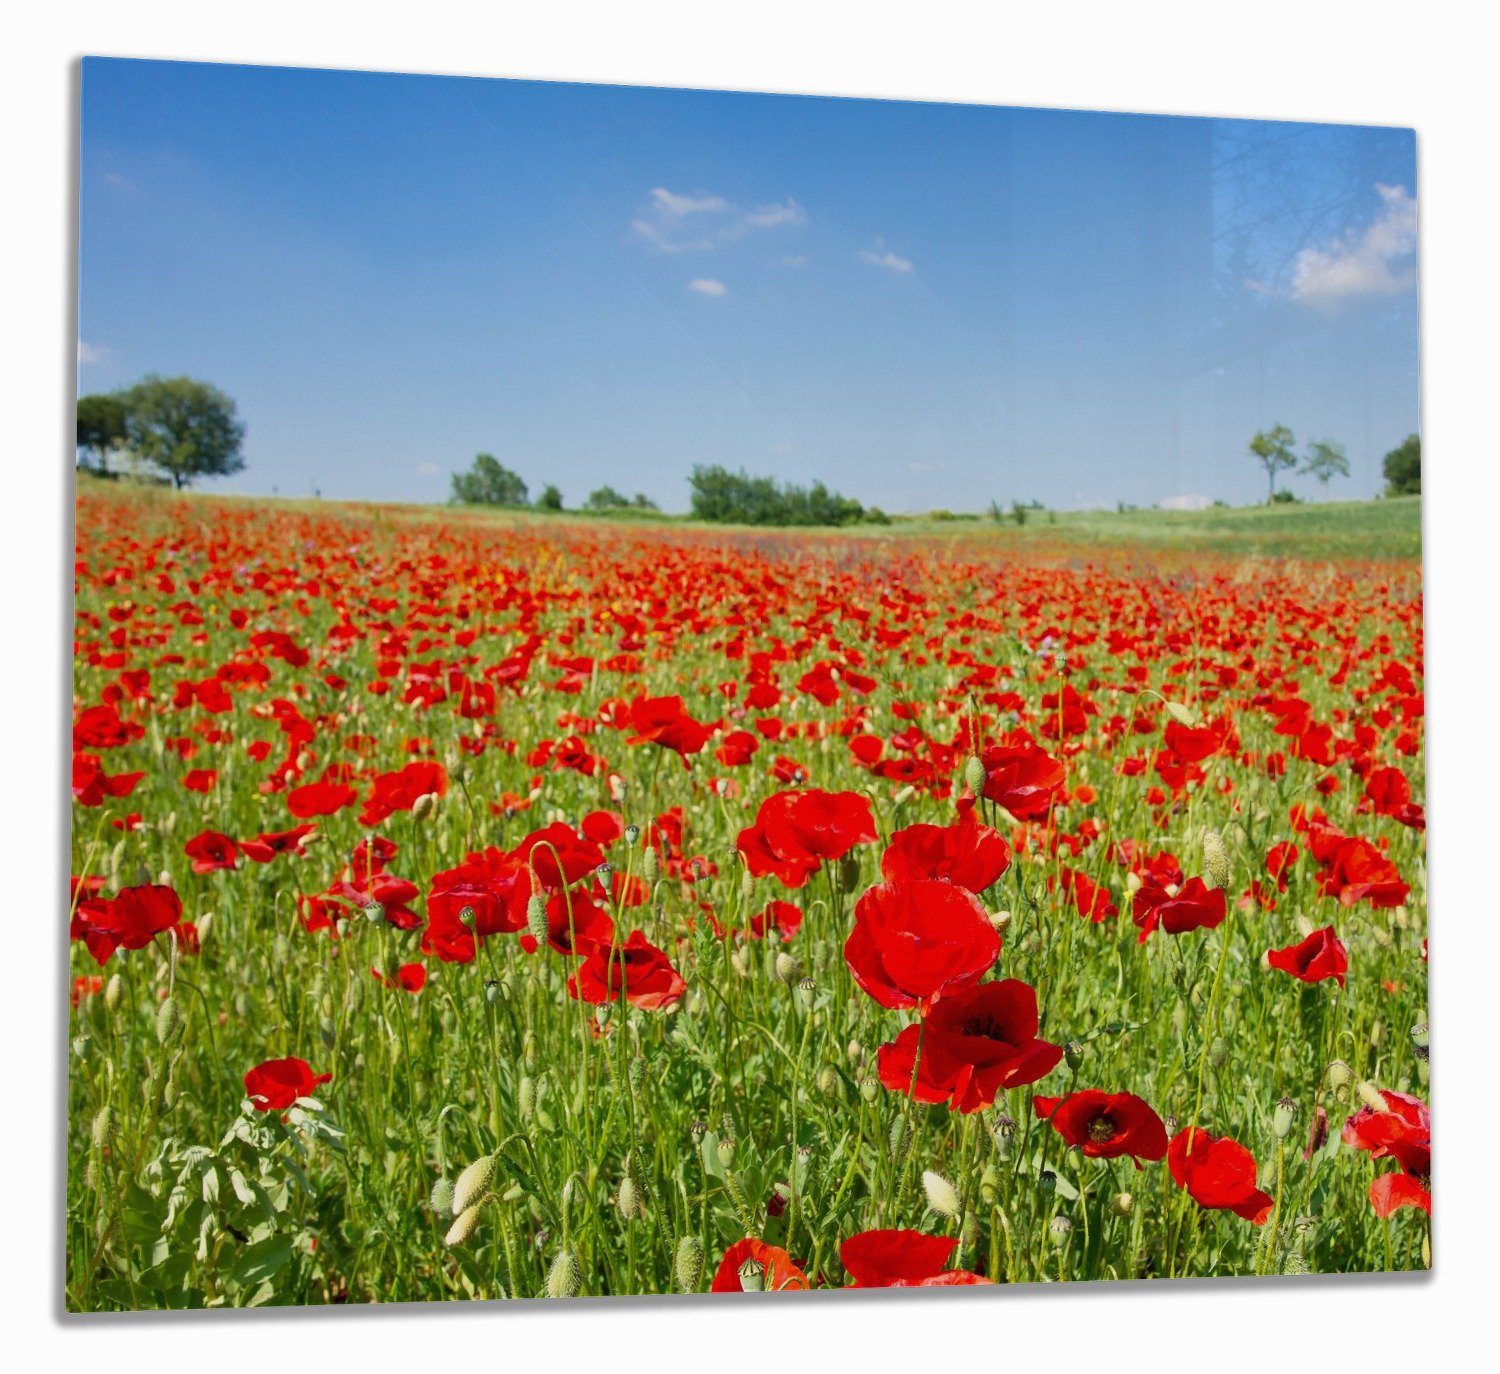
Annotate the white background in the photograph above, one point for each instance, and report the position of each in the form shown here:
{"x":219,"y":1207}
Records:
{"x":1427,"y":65}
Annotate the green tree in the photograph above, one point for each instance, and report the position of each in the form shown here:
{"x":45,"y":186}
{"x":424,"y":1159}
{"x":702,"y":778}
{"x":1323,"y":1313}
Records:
{"x":1272,"y":449}
{"x":643,"y":502}
{"x":101,"y":426}
{"x":738,"y":498}
{"x":1403,"y":468}
{"x":550,"y":499}
{"x":186,"y":428}
{"x":1325,"y":460}
{"x":488,"y":483}
{"x":605,"y":498}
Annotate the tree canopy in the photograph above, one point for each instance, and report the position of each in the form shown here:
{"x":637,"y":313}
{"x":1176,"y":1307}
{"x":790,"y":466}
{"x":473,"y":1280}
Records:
{"x":1325,"y":460}
{"x":1272,"y":449}
{"x":183,"y":428}
{"x":489,"y":483}
{"x":101,"y":425}
{"x":738,"y":498}
{"x":1403,"y":468}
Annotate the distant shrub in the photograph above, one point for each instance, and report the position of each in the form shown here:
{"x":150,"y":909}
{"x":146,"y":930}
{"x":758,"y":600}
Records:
{"x":1403,"y":468}
{"x":1285,"y":498}
{"x":737,"y":498}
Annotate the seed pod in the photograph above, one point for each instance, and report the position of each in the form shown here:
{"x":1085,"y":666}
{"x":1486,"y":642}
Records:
{"x":942,"y":1197}
{"x":441,"y":1200}
{"x":1073,"y":1053}
{"x":472,"y":1182}
{"x":869,"y":1089}
{"x":463,"y":1225}
{"x":807,"y":991}
{"x":1282,"y":1117}
{"x":564,"y":1278}
{"x":168,"y":1022}
{"x":1215,"y":860}
{"x":1058,"y":1230}
{"x":1419,"y":1039}
{"x":689,"y":1265}
{"x":752,"y":1276}
{"x":1004,"y":1135}
{"x":632,"y":834}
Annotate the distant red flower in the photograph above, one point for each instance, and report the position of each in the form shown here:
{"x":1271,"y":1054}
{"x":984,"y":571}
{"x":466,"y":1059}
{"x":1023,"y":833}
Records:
{"x":211,"y":851}
{"x":1106,"y":1125}
{"x":277,"y":1083}
{"x":263,"y":848}
{"x":902,"y":1259}
{"x":779,"y":1272}
{"x":200,"y":779}
{"x":92,"y":785}
{"x":1321,"y":955}
{"x":736,"y":749}
{"x":1218,"y":1173}
{"x":401,"y":790}
{"x":1194,"y":906}
{"x":969,"y":854}
{"x":643,"y":971}
{"x":976,"y":1043}
{"x":410,"y":978}
{"x":796,"y":831}
{"x":914,"y":943}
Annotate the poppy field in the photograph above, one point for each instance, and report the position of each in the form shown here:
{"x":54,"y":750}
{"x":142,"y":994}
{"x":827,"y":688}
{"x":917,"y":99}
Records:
{"x":469,"y":908}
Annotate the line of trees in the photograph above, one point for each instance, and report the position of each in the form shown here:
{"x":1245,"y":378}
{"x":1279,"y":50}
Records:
{"x":488,"y":482}
{"x":174,"y":429}
{"x":737,"y":498}
{"x":1274,"y":450}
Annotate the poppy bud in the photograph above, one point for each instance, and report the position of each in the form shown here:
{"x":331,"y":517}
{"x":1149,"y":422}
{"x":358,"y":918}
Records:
{"x":898,"y":1136}
{"x":102,"y":1131}
{"x":564,"y":1278}
{"x":113,"y":990}
{"x":689,"y":1264}
{"x":327,"y":1033}
{"x":942,"y":1197}
{"x":989,"y":1185}
{"x":463,"y":1225}
{"x":629,"y":1199}
{"x":441,"y":1200}
{"x":1218,"y":1052}
{"x":974,"y":775}
{"x":1337,"y":1078}
{"x":1122,"y":1204}
{"x":472,"y":1182}
{"x":1058,"y":1230}
{"x":788,"y":967}
{"x":828,"y":1080}
{"x":752,"y":1276}
{"x":525,"y":1098}
{"x":536,"y":918}
{"x":168,"y":1022}
{"x":1073,"y":1053}
{"x":1369,"y":1094}
{"x":1282,"y":1117}
{"x":423,"y":807}
{"x":1215,"y":860}
{"x":1183,"y":715}
{"x":904,"y":795}
{"x":848,"y":872}
{"x":740,"y":963}
{"x":650,"y":866}
{"x":747,"y":885}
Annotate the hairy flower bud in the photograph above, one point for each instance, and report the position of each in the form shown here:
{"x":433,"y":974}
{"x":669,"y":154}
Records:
{"x":463,"y":1226}
{"x":689,"y":1264}
{"x":564,"y":1278}
{"x":441,"y":1200}
{"x":942,"y":1197}
{"x":536,"y":918}
{"x":168,"y":1022}
{"x":472,"y":1182}
{"x":1215,"y":860}
{"x":974,"y":774}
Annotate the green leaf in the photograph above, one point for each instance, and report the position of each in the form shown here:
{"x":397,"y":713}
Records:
{"x":262,"y":1260}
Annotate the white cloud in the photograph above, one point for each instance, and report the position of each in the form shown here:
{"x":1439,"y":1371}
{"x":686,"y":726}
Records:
{"x":879,"y":256}
{"x":91,"y":353}
{"x":707,"y":286}
{"x":675,"y":223}
{"x":676,"y":207}
{"x":1185,"y":503}
{"x":428,"y":470}
{"x":1366,"y":263}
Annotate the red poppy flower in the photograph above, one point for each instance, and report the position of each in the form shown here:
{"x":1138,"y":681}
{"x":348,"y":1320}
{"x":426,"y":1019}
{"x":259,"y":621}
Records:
{"x":643,"y":971}
{"x":914,"y":943}
{"x":1106,"y":1125}
{"x":1321,"y":955}
{"x":263,"y":848}
{"x":277,"y":1083}
{"x":1023,"y":778}
{"x":1401,"y":1131}
{"x":1194,"y":906}
{"x":902,"y":1259}
{"x":575,"y":924}
{"x":91,"y":784}
{"x":782,"y":917}
{"x":319,"y":799}
{"x":558,"y":855}
{"x":400,"y":791}
{"x":976,"y":1043}
{"x":410,"y":978}
{"x":483,"y":896}
{"x":211,"y":851}
{"x":200,"y":780}
{"x":130,"y":920}
{"x":779,"y":1272}
{"x":664,"y":721}
{"x":737,"y":749}
{"x":1218,"y":1173}
{"x":969,"y":854}
{"x":796,"y":831}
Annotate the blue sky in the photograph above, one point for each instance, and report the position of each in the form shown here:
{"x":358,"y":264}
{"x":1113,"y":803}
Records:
{"x":922,"y":305}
